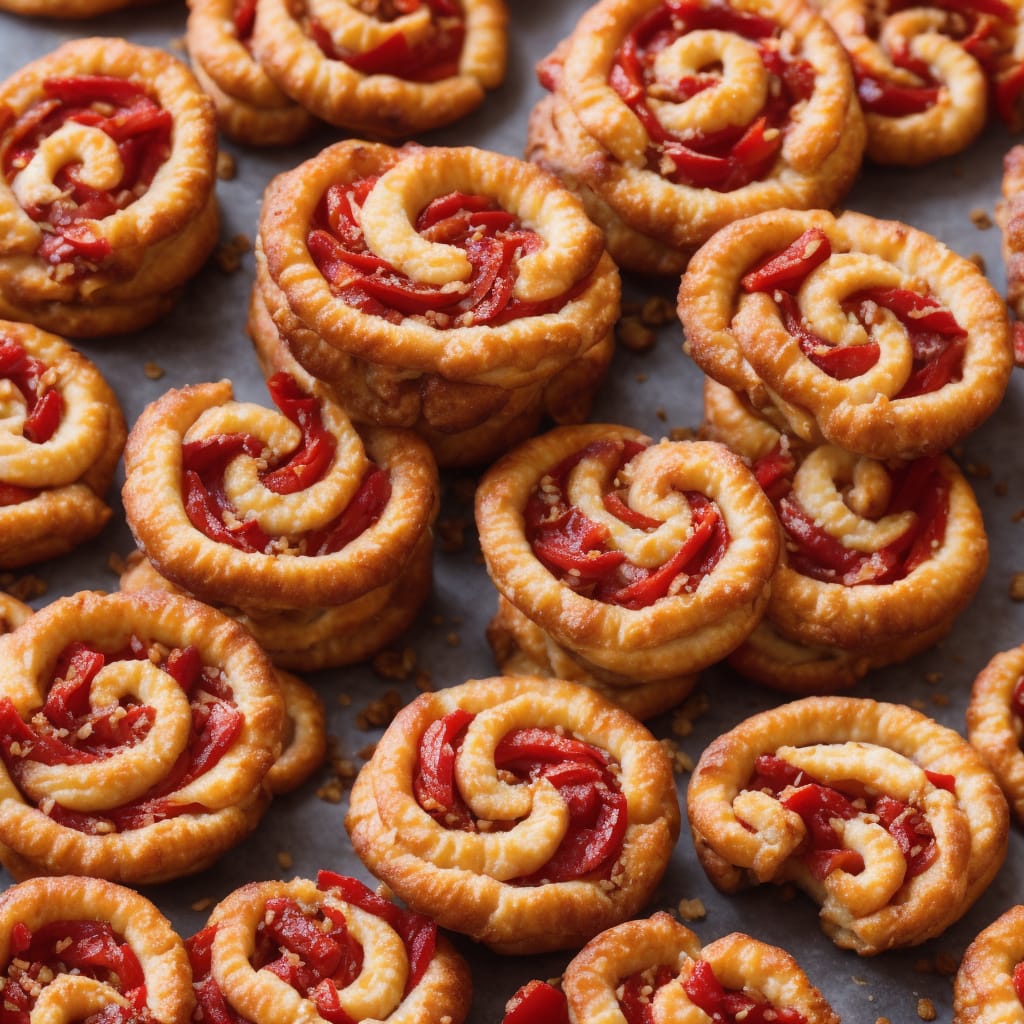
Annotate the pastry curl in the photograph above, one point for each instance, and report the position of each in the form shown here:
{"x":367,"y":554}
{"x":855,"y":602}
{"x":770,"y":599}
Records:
{"x":864,"y":333}
{"x":316,"y":536}
{"x":879,"y":558}
{"x":641,"y":562}
{"x":324,"y":951}
{"x":527,"y":813}
{"x":74,"y":948}
{"x":138,"y":730}
{"x":671,"y":120}
{"x":61,"y":436}
{"x":387,"y":69}
{"x":454,"y":291}
{"x":1010,"y":217}
{"x":107,"y":158}
{"x":890,"y":821}
{"x":989,"y":985}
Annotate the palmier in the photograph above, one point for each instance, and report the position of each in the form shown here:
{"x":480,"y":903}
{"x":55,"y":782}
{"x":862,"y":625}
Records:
{"x":879,"y":557}
{"x":326,"y":950}
{"x":107,"y":154}
{"x":989,"y":986}
{"x":655,"y":970}
{"x":672,"y":119}
{"x":527,"y":813}
{"x":890,"y":821}
{"x":865,"y":333}
{"x":641,"y":563}
{"x":138,"y":730}
{"x":390,"y":69}
{"x":61,"y":436}
{"x":458,"y":292}
{"x":75,"y":948}
{"x":316,"y":536}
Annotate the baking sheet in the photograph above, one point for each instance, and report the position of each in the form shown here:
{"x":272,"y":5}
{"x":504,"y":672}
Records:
{"x":204,"y":339}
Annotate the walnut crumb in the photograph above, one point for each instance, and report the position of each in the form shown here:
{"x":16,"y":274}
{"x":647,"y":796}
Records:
{"x":632,"y":334}
{"x":331,"y":792}
{"x":1001,"y":489}
{"x":946,"y":964}
{"x":453,"y":640}
{"x":153,"y":370}
{"x":640,"y":378}
{"x":204,"y":904}
{"x":682,"y":434}
{"x":378,"y":713}
{"x":398,"y":665}
{"x":227,"y":169}
{"x":931,"y":678}
{"x":978,"y":260}
{"x":344,"y":700}
{"x":284,"y":860}
{"x":883,"y":1020}
{"x":1017,"y":587}
{"x":452,"y":534}
{"x":692,"y":910}
{"x":24,"y":588}
{"x":657,"y":311}
{"x":228,"y":255}
{"x":980,"y":218}
{"x":981,"y":470}
{"x":940,"y":700}
{"x":661,"y":414}
{"x":926,"y":1009}
{"x":423,"y":681}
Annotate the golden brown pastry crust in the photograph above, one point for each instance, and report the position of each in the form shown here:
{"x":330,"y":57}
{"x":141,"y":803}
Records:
{"x":148,"y":248}
{"x":310,"y":69}
{"x":591,"y":137}
{"x":228,"y":798}
{"x":983,"y":992}
{"x":12,"y":612}
{"x":66,"y":476}
{"x":463,"y":879}
{"x":77,"y":9}
{"x":740,"y":338}
{"x":739,"y":963}
{"x":1010,"y":217}
{"x":135,"y":922}
{"x":886,"y":748}
{"x":682,"y":631}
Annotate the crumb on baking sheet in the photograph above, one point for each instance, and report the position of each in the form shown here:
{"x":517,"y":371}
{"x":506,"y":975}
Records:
{"x":398,"y":665}
{"x":926,"y":1009}
{"x":657,"y":311}
{"x":228,"y":255}
{"x":452,"y":534}
{"x":681,"y":761}
{"x":978,"y":260}
{"x":116,"y":564}
{"x":979,"y":470}
{"x":24,"y":588}
{"x":378,"y":713}
{"x":1001,"y":488}
{"x":688,"y":712}
{"x":980,"y":218}
{"x":634,"y":335}
{"x":1017,"y":586}
{"x":682,"y":434}
{"x":284,"y":860}
{"x":202,"y":904}
{"x":227,"y":169}
{"x":453,"y":639}
{"x":692,"y":910}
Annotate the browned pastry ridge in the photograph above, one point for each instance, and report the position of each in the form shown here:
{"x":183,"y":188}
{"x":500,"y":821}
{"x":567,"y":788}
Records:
{"x":671,"y":121}
{"x":917,"y":825}
{"x":77,"y":9}
{"x":107,"y":207}
{"x":623,"y":563}
{"x":464,"y":813}
{"x":1010,"y":217}
{"x":460,"y":293}
{"x":989,"y":986}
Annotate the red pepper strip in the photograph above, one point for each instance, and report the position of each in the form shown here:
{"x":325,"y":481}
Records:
{"x":119,"y":726}
{"x":911,"y":831}
{"x":382,"y":59}
{"x":754,"y":149}
{"x":328,"y":1005}
{"x":419,"y":934}
{"x":788,"y":268}
{"x":68,"y":697}
{"x":544,"y":745}
{"x":351,"y":890}
{"x":933,"y":515}
{"x":311,"y":460}
{"x":840,"y":362}
{"x":936,"y":374}
{"x":704,"y":990}
{"x":1018,"y":980}
{"x":300,"y":934}
{"x":536,"y":1002}
{"x":86,"y":89}
{"x":822,"y":863}
{"x":817,"y":805}
{"x":338,"y":201}
{"x":75,"y":240}
{"x":43,"y":748}
{"x":328,"y":252}
{"x":443,"y":207}
{"x":244,"y":17}
{"x":224,"y":724}
{"x":361,"y":513}
{"x":400,"y":293}
{"x":995,"y":8}
{"x":915,"y":311}
{"x":435,"y":766}
{"x":215,"y":1009}
{"x":772,"y":772}
{"x":185,"y":665}
{"x":774,"y":473}
{"x":889,"y":100}
{"x":941,"y":780}
{"x":489,"y":222}
{"x":820,"y":546}
{"x":42,"y":422}
{"x":722,"y":16}
{"x":203,"y":513}
{"x":635,"y":999}
{"x":613,"y":503}
{"x":12,"y":494}
{"x":696,"y":169}
{"x":573,"y":544}
{"x":1008,"y":89}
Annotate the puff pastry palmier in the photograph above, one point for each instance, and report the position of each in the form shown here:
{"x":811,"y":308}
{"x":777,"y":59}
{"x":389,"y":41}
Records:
{"x":865,"y":333}
{"x":989,"y":986}
{"x":314,"y":535}
{"x":655,"y":970}
{"x":458,"y":292}
{"x":137,"y":733}
{"x":527,"y":813}
{"x":75,"y":948}
{"x":642,"y":563}
{"x":328,"y":950}
{"x":389,"y":69}
{"x":107,"y":158}
{"x":673,"y":118}
{"x":61,"y":436}
{"x":890,"y":821}
{"x":879,"y":559}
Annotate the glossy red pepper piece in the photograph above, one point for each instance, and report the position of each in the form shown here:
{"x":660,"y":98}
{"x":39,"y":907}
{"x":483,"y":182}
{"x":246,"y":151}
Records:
{"x":614,"y":503}
{"x":1018,"y":980}
{"x":244,"y":18}
{"x":573,"y":544}
{"x":41,"y":747}
{"x":788,"y":268}
{"x":360,"y":514}
{"x":536,"y":1002}
{"x":821,"y":863}
{"x":916,"y":311}
{"x":309,"y":463}
{"x":42,"y":422}
{"x":878,"y":96}
{"x":774,"y":472}
{"x":435,"y":768}
{"x":541,"y":746}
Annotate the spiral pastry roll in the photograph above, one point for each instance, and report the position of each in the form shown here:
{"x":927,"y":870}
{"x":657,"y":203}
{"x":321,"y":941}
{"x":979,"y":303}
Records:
{"x":458,"y":292}
{"x":317,"y":537}
{"x":639,"y":563}
{"x":527,"y":813}
{"x":673,"y":118}
{"x":76,"y":949}
{"x":250,"y":107}
{"x":927,"y":73}
{"x":1010,"y":217}
{"x":879,"y":558}
{"x":864,"y":333}
{"x":137,"y":732}
{"x":324,"y":951}
{"x":989,"y":986}
{"x":61,"y":436}
{"x":654,"y":971}
{"x":107,"y":156}
{"x":389,"y":69}
{"x":888,"y":820}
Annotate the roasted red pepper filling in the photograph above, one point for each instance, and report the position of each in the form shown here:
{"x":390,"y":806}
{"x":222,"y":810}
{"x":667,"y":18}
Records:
{"x":1018,"y":981}
{"x":581,"y":773}
{"x":937,"y":341}
{"x":91,"y":949}
{"x":211,"y":512}
{"x":67,"y":730}
{"x":920,"y":486}
{"x":1017,"y":699}
{"x":429,"y":60}
{"x":722,"y":160}
{"x":124,"y":111}
{"x":536,"y":1002}
{"x":574,"y":548}
{"x":818,"y":805}
{"x":493,"y":240}
{"x":313,"y":951}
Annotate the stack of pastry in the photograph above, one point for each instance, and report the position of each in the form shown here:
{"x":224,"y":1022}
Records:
{"x":107,"y":206}
{"x":847,"y":354}
{"x":458,"y":292}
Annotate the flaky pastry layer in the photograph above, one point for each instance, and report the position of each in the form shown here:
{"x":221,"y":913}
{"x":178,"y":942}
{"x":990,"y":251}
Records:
{"x":984,"y":990}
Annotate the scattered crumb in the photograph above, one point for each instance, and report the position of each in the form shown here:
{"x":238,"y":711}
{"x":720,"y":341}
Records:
{"x":452,"y":534}
{"x":682,"y":434}
{"x":284,"y":860}
{"x":24,"y":588}
{"x":423,"y":681}
{"x":980,"y":218}
{"x":931,"y":678}
{"x":1017,"y":516}
{"x":981,"y":470}
{"x":153,"y":370}
{"x":858,"y":979}
{"x":378,"y":713}
{"x":661,"y":414}
{"x":631,"y":308}
{"x":228,"y":255}
{"x":657,"y":311}
{"x":116,"y":564}
{"x":940,"y":700}
{"x":177,"y":44}
{"x":1017,"y":587}
{"x":331,"y":792}
{"x":344,"y":700}
{"x":204,"y":904}
{"x":640,"y":378}
{"x":883,"y":1020}
{"x":226,"y":166}
{"x":453,"y":640}
{"x":692,"y":910}
{"x":978,"y":260}
{"x":681,"y":761}
{"x":632,"y":333}
{"x":918,"y":704}
{"x":688,"y":712}
{"x":398,"y":665}
{"x":1001,"y":489}
{"x":365,"y":753}
{"x":926,"y":1009}
{"x":946,"y":964}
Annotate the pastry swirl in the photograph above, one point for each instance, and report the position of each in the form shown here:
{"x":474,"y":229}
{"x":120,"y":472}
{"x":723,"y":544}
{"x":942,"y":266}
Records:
{"x":527,"y":813}
{"x":989,"y":985}
{"x":887,"y":819}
